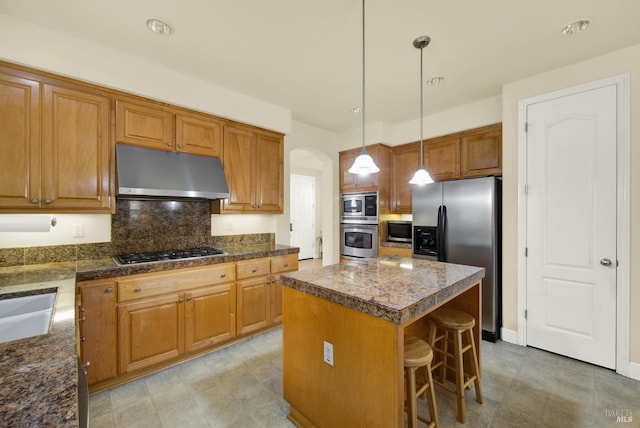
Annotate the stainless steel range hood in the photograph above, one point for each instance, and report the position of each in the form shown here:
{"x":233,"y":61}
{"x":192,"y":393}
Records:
{"x":147,"y":173}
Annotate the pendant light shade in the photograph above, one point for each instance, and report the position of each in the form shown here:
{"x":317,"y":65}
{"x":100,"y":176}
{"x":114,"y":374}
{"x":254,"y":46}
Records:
{"x":364,"y":163}
{"x":421,"y":176}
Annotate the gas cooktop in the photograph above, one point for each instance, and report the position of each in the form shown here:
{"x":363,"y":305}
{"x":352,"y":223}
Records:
{"x":159,"y":256}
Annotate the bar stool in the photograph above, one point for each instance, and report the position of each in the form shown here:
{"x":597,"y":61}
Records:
{"x":417,"y":354}
{"x":448,"y":326}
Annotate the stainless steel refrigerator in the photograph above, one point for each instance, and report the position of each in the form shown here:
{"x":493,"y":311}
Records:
{"x":460,"y":222}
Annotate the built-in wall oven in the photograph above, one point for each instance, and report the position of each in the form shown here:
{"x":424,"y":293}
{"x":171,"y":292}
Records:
{"x":359,"y":224}
{"x":359,"y":240}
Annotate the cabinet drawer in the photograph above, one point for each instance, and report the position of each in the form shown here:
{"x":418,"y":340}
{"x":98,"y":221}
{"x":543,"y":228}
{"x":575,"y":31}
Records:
{"x":287,"y":263}
{"x":253,"y":268}
{"x":147,"y":285}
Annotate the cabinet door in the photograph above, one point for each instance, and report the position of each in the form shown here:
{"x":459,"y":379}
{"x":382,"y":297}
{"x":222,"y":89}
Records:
{"x":144,"y":124}
{"x":253,"y":304}
{"x":75,"y":149}
{"x":405,"y":161}
{"x":97,"y":322}
{"x":150,"y":331}
{"x":269,"y":179}
{"x":199,"y":135}
{"x":210,"y":316}
{"x":239,"y":169}
{"x":354,"y":182}
{"x":19,"y":142}
{"x":442,"y":157}
{"x":276,"y":299}
{"x":481,"y":151}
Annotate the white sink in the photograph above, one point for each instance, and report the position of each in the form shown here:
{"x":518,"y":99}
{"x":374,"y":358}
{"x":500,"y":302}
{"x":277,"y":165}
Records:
{"x":26,"y":316}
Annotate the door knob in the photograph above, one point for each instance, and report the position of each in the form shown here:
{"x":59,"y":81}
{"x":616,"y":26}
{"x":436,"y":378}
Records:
{"x":606,"y":262}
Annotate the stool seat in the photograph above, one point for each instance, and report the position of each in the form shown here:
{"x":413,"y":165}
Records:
{"x":416,"y":352}
{"x":418,"y":355}
{"x":453,"y":319}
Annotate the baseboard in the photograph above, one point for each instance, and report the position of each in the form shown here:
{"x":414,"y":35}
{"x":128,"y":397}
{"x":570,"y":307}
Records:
{"x":510,"y":336}
{"x":634,"y":370}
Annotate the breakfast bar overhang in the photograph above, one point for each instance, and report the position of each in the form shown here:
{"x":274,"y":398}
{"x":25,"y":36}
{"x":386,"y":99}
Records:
{"x":362,"y":310}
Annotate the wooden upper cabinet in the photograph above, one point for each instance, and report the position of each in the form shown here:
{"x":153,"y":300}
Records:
{"x":354,"y":182}
{"x":481,"y":151}
{"x":405,"y":161}
{"x":253,"y":166}
{"x":199,"y":135}
{"x":54,"y":138}
{"x":144,"y":124}
{"x":269,"y":170}
{"x":19,"y":142}
{"x":155,"y":126}
{"x":76,"y":149}
{"x":442,"y":157}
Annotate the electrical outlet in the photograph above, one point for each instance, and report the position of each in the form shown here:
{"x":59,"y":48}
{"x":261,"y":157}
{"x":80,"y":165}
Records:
{"x":77,"y":230}
{"x":328,"y":353}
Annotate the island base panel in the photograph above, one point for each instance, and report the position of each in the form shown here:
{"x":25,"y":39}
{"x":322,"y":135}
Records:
{"x":364,"y":387}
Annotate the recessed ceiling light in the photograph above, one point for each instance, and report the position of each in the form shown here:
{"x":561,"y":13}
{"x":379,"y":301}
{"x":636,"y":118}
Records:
{"x":356,"y":110}
{"x":160,"y":26}
{"x":435,"y":81}
{"x":575,"y":27}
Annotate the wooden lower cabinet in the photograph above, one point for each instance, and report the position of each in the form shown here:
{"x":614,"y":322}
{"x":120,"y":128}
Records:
{"x":133,"y":325}
{"x":210,"y":316}
{"x":150,"y":331}
{"x":395,"y":251}
{"x":97,"y":329}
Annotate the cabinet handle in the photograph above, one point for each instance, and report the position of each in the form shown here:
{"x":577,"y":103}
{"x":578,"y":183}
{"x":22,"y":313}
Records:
{"x":35,"y":201}
{"x":109,"y":290}
{"x":82,"y":319}
{"x":169,"y":143}
{"x":47,"y":201}
{"x":138,"y":289}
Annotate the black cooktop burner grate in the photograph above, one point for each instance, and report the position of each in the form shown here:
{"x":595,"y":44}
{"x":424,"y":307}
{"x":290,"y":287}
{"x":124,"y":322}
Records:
{"x":158,"y":256}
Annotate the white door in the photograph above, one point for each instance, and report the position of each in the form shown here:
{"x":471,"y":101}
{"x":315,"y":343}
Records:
{"x":303,"y":215}
{"x":571,"y":225}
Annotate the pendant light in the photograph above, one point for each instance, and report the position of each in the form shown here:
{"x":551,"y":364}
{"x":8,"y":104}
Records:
{"x":364,"y":163}
{"x":421,"y":176}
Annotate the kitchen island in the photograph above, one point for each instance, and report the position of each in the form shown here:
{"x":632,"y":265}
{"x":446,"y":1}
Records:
{"x":355,"y":315}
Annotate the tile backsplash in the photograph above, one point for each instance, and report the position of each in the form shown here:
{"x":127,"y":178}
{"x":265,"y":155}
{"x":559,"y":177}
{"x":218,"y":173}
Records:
{"x":139,"y":226}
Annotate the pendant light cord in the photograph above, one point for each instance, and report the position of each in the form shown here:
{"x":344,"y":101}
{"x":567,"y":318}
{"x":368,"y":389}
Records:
{"x":363,"y":139}
{"x":421,"y":114}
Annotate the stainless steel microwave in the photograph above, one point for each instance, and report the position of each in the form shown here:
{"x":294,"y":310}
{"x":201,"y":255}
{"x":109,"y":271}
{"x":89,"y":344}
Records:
{"x":399,"y":231}
{"x":359,"y":208}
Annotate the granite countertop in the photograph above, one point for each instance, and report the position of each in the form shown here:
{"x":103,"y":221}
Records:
{"x":38,"y":375}
{"x":392,"y":288}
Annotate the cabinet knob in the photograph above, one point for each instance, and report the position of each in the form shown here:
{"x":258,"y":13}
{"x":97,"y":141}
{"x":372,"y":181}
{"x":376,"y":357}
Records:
{"x":138,"y":289}
{"x":254,"y":270}
{"x":47,"y":201}
{"x":86,"y":365}
{"x":224,"y":275}
{"x":83,"y":339}
{"x":180,"y":145}
{"x":181,"y":300}
{"x":169,"y":143}
{"x":189,"y":298}
{"x":464,"y":173}
{"x":35,"y":201}
{"x":286,"y":265}
{"x":109,"y":290}
{"x":81,"y":309}
{"x":82,"y":319}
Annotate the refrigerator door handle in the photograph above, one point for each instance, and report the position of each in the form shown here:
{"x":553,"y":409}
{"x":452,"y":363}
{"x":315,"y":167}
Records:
{"x":442,"y":223}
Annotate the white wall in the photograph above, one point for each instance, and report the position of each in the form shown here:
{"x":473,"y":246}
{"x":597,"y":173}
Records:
{"x":623,"y":61}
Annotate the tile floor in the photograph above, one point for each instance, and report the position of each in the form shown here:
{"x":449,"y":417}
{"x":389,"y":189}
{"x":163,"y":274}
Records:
{"x":241,"y":386}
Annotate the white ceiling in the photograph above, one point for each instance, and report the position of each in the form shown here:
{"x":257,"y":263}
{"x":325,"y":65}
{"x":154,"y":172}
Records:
{"x":305,"y":55}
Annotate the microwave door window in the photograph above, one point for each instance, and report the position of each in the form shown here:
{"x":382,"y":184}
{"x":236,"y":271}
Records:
{"x":352,"y":206}
{"x":358,"y":240}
